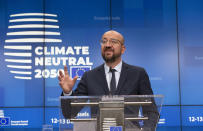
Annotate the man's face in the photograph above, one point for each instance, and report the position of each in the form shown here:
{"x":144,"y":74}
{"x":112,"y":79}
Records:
{"x":113,"y":47}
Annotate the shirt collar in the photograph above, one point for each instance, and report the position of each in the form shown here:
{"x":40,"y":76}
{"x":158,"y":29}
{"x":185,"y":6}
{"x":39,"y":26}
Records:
{"x":117,"y":67}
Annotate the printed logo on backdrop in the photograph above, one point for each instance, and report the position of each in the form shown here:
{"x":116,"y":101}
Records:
{"x":4,"y":121}
{"x":7,"y":121}
{"x":34,"y":42}
{"x":79,"y":71}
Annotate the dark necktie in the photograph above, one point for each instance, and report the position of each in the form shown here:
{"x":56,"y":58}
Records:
{"x":113,"y":82}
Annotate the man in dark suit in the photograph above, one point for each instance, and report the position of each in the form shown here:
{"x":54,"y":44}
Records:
{"x":114,"y":77}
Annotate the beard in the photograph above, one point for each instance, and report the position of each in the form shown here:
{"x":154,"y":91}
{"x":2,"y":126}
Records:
{"x":110,"y":59}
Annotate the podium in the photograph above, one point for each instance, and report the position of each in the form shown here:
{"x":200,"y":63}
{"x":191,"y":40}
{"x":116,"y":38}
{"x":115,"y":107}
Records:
{"x":110,"y":113}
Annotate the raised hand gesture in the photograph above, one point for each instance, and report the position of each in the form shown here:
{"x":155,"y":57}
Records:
{"x":65,"y":81}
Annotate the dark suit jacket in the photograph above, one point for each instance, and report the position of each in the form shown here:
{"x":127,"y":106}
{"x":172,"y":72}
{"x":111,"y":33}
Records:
{"x":133,"y":81}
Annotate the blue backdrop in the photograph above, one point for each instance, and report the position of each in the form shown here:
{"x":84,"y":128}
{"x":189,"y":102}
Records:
{"x":163,"y":36}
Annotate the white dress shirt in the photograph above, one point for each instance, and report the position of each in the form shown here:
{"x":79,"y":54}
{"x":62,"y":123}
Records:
{"x":108,"y":74}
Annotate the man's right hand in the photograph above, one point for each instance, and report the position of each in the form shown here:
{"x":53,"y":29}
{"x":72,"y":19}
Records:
{"x":65,"y":81}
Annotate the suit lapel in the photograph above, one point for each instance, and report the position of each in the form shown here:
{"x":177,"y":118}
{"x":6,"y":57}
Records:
{"x":122,"y":78}
{"x":103,"y":79}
